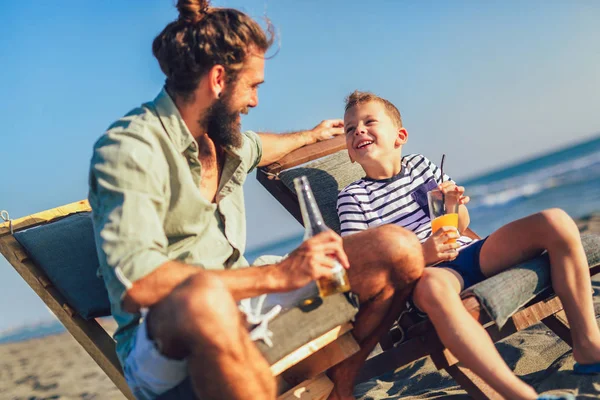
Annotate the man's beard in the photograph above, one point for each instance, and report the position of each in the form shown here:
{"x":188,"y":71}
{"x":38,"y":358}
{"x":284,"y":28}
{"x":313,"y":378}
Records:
{"x":222,"y":124}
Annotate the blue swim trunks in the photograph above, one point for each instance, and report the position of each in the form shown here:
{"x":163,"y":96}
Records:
{"x":467,"y":264}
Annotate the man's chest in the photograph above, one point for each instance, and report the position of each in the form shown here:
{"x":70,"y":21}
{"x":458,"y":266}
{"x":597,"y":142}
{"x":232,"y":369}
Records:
{"x":205,"y":223}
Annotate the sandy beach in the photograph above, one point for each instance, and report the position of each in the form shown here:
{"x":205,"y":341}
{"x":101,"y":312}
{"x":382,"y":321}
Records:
{"x":56,"y":367}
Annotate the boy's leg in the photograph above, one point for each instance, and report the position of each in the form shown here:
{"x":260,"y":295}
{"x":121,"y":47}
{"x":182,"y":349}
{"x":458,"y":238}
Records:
{"x":552,"y":230}
{"x":384,"y":264}
{"x":437,"y":294}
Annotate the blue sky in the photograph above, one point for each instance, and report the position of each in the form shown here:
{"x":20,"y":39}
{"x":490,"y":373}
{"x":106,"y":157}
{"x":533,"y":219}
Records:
{"x":488,"y":83}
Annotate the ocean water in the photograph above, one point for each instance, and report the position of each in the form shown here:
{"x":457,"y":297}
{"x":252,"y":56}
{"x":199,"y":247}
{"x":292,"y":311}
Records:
{"x":567,"y":179}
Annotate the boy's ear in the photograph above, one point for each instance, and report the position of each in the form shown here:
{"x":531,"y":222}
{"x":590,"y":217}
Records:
{"x":402,"y":137}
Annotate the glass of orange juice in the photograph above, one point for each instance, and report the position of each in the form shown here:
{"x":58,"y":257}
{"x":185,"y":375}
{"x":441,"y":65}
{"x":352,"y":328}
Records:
{"x":443,"y":210}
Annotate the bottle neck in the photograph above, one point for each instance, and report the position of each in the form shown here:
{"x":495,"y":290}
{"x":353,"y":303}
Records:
{"x":311,"y":215}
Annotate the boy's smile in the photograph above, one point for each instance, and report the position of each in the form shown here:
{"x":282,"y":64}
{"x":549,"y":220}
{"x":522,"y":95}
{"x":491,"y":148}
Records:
{"x":373,"y":139}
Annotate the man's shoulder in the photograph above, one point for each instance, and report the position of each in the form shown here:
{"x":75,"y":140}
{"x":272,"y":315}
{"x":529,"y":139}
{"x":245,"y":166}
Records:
{"x":139,"y":119}
{"x":140,"y":126}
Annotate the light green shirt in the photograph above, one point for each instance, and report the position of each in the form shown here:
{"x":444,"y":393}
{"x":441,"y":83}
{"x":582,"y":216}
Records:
{"x":144,"y":190}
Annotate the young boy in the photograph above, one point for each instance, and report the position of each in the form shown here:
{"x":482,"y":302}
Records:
{"x":394,"y":192}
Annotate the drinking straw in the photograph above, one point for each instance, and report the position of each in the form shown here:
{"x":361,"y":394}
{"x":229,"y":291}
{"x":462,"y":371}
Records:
{"x":442,"y":179}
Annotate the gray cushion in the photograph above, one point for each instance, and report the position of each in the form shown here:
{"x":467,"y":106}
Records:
{"x":65,"y":250}
{"x":327,"y":176}
{"x":290,"y":330}
{"x":504,"y":294}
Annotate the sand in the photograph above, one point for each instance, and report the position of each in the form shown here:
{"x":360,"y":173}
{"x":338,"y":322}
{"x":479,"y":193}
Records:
{"x":56,"y":367}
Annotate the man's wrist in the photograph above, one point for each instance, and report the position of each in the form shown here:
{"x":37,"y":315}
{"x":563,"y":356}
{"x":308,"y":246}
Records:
{"x":275,"y":278}
{"x":308,"y":137}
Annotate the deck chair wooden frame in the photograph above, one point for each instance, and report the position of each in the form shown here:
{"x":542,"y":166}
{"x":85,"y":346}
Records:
{"x":420,"y":338}
{"x":300,"y":374}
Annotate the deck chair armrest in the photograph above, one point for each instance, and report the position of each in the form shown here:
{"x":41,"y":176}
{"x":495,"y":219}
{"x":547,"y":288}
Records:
{"x":505,"y":293}
{"x":306,"y":153}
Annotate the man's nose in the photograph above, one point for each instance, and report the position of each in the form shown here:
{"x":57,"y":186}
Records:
{"x":253,"y":101}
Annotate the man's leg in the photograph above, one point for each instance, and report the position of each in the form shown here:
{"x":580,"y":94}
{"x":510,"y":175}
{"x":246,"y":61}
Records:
{"x":437,"y":294}
{"x":384,"y":264}
{"x":200,"y":320}
{"x":552,"y":230}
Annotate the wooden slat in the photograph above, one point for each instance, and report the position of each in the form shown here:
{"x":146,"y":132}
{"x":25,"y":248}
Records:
{"x":308,"y":153}
{"x":303,"y":352}
{"x":558,"y":326}
{"x":281,"y":192}
{"x":44,"y":216}
{"x":330,"y":355}
{"x":536,"y":312}
{"x":94,"y":339}
{"x":317,"y":388}
{"x":44,"y":281}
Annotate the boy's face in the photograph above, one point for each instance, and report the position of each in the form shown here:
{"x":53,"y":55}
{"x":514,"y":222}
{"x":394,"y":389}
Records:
{"x":371,"y":135}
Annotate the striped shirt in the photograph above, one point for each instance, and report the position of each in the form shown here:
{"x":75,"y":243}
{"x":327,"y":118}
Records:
{"x":400,"y":200}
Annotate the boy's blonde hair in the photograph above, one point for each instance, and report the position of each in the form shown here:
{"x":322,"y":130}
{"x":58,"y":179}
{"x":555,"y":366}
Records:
{"x":358,"y":97}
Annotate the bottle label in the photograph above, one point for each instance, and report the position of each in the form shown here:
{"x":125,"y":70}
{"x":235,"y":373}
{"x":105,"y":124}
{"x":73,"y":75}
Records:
{"x":337,"y":268}
{"x":338,"y":274}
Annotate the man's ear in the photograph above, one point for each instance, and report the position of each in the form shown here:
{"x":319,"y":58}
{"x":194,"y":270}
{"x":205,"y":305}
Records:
{"x":216,"y":80}
{"x":402,"y":137}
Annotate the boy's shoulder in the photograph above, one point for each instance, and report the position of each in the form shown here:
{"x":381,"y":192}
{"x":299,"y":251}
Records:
{"x":352,"y":187}
{"x":416,"y":162}
{"x":411,"y":159}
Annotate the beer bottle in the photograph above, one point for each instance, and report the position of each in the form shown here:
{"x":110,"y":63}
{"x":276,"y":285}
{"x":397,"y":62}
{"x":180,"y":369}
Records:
{"x":313,"y":224}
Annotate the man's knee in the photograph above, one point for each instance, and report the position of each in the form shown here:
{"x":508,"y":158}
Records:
{"x":201,"y":309}
{"x":431,"y":290}
{"x":403,"y":250}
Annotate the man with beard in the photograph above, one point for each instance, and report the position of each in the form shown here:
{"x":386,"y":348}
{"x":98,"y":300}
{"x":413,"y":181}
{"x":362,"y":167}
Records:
{"x":169,"y":221}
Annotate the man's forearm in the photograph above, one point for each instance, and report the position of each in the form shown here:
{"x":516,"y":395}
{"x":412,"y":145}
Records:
{"x":254,"y":281}
{"x":155,"y":286}
{"x":275,"y":146}
{"x":242,"y":283}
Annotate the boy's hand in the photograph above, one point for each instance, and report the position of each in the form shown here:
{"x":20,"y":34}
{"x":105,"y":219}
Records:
{"x":434,"y":249}
{"x":451,"y":189}
{"x":312,"y":260}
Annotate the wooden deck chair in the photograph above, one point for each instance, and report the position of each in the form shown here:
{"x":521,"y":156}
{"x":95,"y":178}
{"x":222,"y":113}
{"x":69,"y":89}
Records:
{"x":54,"y":252}
{"x":504,"y":304}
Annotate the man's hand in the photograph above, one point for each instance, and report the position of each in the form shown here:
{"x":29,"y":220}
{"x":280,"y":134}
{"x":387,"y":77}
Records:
{"x":327,"y":129}
{"x":312,"y":260}
{"x":434,"y":248}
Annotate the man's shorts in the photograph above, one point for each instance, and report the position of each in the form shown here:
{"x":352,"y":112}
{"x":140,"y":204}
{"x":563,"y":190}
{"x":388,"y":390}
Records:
{"x":467,"y":264}
{"x":150,"y":374}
